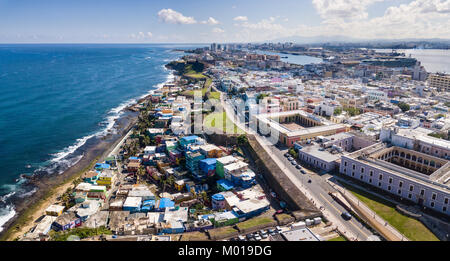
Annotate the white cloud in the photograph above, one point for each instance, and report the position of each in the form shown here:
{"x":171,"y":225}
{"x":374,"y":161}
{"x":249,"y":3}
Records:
{"x":240,"y":18}
{"x":141,"y":35}
{"x":343,"y":9}
{"x":173,"y":17}
{"x":210,"y":21}
{"x":218,"y":30}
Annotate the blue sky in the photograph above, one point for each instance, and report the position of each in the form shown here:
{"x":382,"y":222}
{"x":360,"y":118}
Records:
{"x":201,"y":21}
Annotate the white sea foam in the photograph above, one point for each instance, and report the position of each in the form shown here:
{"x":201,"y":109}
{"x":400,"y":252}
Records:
{"x":5,"y":215}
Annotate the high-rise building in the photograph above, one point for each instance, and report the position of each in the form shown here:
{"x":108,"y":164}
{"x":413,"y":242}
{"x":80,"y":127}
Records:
{"x":439,"y":81}
{"x":213,"y":47}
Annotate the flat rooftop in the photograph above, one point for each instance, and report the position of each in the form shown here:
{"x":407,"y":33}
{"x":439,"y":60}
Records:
{"x":315,"y":151}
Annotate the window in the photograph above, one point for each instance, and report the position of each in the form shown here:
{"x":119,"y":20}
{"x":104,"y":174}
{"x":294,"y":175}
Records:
{"x":446,"y":201}
{"x":379,"y":184}
{"x":400,"y":184}
{"x":345,"y":163}
{"x":422,"y":192}
{"x":390,"y":180}
{"x":371,"y":173}
{"x":354,"y":167}
{"x":353,"y":174}
{"x":444,"y":209}
{"x":432,"y":204}
{"x":370,"y":180}
{"x":381,"y":177}
{"x":362,"y":170}
{"x":409,"y":195}
{"x":389,"y":188}
{"x":433,"y":197}
{"x":345,"y":170}
{"x":399,"y":191}
{"x":411,"y":188}
{"x":361,"y":177}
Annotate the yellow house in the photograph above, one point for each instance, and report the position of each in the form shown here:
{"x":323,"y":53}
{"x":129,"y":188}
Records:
{"x":179,"y":185}
{"x":54,"y":210}
{"x":105,"y":179}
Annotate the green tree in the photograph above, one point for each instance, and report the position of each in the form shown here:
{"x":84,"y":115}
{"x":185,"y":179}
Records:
{"x":404,"y":106}
{"x":242,"y":139}
{"x":337,"y":111}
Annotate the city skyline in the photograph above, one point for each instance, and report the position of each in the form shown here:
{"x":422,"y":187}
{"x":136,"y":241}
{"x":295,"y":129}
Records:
{"x":49,"y":21}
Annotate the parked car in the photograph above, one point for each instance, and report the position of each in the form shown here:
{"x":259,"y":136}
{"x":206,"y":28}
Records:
{"x":271,"y":232}
{"x":293,"y":163}
{"x":258,"y":237}
{"x":249,"y":236}
{"x":298,"y":167}
{"x":303,"y":172}
{"x":263,"y":233}
{"x":287,"y":154}
{"x":278,"y":229}
{"x":241,"y":238}
{"x":290,"y":158}
{"x":346,"y":216}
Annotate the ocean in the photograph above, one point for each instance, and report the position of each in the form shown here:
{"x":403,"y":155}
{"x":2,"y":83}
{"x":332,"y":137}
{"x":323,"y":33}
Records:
{"x":55,"y":98}
{"x":434,"y":60}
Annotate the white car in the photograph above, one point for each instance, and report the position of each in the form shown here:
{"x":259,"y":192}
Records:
{"x":258,"y":238}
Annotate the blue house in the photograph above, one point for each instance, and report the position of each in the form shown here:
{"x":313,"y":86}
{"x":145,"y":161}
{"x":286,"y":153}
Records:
{"x":224,"y":185}
{"x":102,"y":166}
{"x":163,"y":204}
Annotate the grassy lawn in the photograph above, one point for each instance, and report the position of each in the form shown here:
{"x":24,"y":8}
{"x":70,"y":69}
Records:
{"x":214,"y":95}
{"x":191,"y":93}
{"x":219,"y":120}
{"x":339,"y":238}
{"x":254,"y":222}
{"x":222,"y":232}
{"x":195,"y":75}
{"x":410,"y":227}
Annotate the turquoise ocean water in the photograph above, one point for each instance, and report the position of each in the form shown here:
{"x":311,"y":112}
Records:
{"x":55,"y":98}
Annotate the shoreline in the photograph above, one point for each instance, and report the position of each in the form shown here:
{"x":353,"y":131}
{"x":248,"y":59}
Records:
{"x":52,"y":186}
{"x":48,"y":188}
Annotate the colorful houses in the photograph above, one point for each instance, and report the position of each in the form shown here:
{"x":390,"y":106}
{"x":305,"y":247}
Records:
{"x":192,"y":162}
{"x":185,"y":141}
{"x":234,"y":169}
{"x":224,"y":185}
{"x":106,"y":178}
{"x":211,"y":151}
{"x":207,"y":167}
{"x":221,"y":162}
{"x":218,"y":202}
{"x":66,"y":221}
{"x":54,"y":210}
{"x":90,"y":177}
{"x":132,"y":204}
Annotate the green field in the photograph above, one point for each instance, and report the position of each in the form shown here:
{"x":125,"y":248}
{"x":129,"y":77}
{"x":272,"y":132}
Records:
{"x":339,"y":238}
{"x":410,"y":227}
{"x":214,"y":95}
{"x":254,"y":222}
{"x":219,"y":120}
{"x":191,"y":93}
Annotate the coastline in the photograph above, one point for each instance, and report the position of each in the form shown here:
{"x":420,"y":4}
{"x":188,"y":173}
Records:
{"x":50,"y":187}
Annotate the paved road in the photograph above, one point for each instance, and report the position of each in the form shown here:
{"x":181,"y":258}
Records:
{"x":317,"y":190}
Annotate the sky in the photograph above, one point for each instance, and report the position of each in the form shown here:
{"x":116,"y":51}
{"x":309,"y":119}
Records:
{"x":230,"y":21}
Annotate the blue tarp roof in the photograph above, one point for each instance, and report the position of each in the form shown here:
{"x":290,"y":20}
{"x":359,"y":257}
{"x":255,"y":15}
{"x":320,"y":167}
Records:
{"x":150,"y":202}
{"x":225,"y":184}
{"x":166,"y":203}
{"x":134,"y":158}
{"x":102,"y":165}
{"x":209,"y":161}
{"x":190,"y":138}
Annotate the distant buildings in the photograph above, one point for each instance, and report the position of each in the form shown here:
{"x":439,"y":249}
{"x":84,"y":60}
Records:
{"x":439,"y":81}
